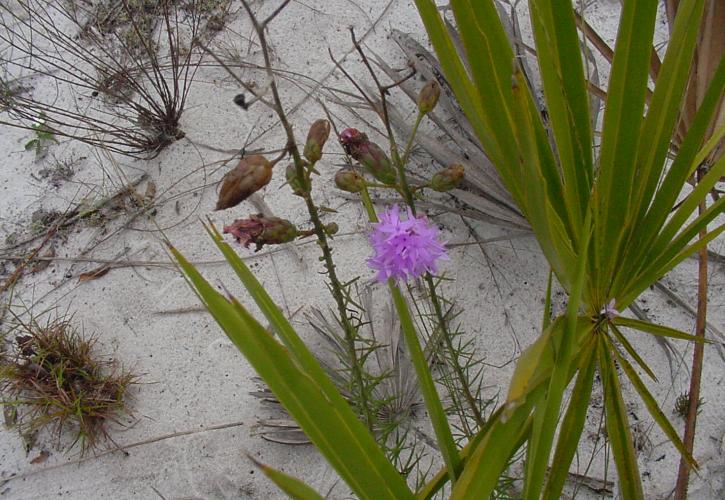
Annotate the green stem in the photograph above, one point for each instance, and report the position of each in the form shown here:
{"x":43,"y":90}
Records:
{"x":336,"y":289}
{"x":440,"y":317}
{"x":427,"y":386}
{"x":335,"y":285}
{"x":430,"y":395}
{"x":409,"y":146}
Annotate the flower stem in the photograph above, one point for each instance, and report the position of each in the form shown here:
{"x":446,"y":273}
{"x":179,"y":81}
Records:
{"x":335,"y":286}
{"x":409,"y":146}
{"x":420,"y":363}
{"x":435,"y":300}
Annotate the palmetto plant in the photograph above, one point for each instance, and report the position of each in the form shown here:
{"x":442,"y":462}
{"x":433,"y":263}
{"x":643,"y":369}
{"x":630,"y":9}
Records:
{"x":609,"y":224}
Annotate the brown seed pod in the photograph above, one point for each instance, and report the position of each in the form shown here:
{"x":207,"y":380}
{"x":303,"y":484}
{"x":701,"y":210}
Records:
{"x":250,"y":175}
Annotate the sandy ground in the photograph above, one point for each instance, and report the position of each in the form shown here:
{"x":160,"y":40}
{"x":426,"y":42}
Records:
{"x":193,"y":416}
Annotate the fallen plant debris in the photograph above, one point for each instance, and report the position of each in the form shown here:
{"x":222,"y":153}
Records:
{"x":52,"y":379}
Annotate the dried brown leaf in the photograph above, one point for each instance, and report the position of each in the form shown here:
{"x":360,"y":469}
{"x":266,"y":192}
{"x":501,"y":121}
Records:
{"x":95,"y":274}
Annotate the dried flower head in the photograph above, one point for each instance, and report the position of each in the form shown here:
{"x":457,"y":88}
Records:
{"x":404,"y":248}
{"x":261,"y":231}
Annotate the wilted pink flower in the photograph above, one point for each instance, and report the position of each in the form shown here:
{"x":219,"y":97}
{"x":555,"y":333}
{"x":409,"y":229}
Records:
{"x":261,"y":231}
{"x":404,"y":248}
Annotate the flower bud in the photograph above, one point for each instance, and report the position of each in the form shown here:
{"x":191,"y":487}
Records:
{"x":447,"y":179}
{"x":349,"y":180}
{"x":316,"y":138}
{"x":331,"y":229}
{"x":261,"y":231}
{"x":294,"y":182}
{"x":428,"y":97}
{"x":369,"y":154}
{"x":250,"y":175}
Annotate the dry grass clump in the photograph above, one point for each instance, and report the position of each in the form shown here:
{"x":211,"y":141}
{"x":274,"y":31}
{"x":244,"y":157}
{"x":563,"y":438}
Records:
{"x":51,"y":379}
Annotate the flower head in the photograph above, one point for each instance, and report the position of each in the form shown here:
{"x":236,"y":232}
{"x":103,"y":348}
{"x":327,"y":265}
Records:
{"x":404,"y":248}
{"x":261,"y":231}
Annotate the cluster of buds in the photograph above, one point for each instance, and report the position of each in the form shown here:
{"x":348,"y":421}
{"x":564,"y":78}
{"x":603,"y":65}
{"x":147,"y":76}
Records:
{"x":447,"y":179}
{"x":370,"y":155}
{"x":250,"y":175}
{"x":261,"y":231}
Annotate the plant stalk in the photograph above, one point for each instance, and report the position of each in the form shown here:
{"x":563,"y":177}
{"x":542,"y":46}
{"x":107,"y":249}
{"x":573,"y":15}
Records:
{"x":683,"y":474}
{"x":430,"y":395}
{"x":319,"y":228}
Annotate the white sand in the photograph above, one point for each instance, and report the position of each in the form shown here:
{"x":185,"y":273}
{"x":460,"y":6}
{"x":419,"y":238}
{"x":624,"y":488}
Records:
{"x":193,"y":379}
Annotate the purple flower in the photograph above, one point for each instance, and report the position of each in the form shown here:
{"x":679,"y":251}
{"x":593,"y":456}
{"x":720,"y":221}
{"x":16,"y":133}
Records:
{"x":404,"y":248}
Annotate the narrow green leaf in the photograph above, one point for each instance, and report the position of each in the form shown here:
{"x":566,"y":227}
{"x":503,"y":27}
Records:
{"x":618,"y":431}
{"x":662,"y":266}
{"x":547,"y":303}
{"x":324,"y":416}
{"x":490,"y":59}
{"x":686,"y":209}
{"x":640,"y":252}
{"x":293,"y":487}
{"x":562,"y":74}
{"x":458,"y":77}
{"x":573,"y":424}
{"x":622,"y":122}
{"x":662,"y":331}
{"x":430,"y":395}
{"x":654,"y":408}
{"x":442,"y":477}
{"x":710,"y":145}
{"x":545,"y":218}
{"x":675,"y":253}
{"x":664,"y":108}
{"x":493,"y":452}
{"x":632,"y":351}
{"x":546,"y":416}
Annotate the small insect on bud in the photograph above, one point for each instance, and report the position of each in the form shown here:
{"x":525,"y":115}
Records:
{"x":369,"y":154}
{"x":261,"y":231}
{"x":349,"y":180}
{"x":428,"y":97}
{"x":250,"y":175}
{"x":294,"y":181}
{"x":331,"y":229}
{"x":316,"y":138}
{"x":447,"y":179}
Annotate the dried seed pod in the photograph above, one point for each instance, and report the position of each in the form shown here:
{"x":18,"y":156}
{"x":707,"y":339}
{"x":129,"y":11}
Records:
{"x":250,"y":175}
{"x":316,"y":138}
